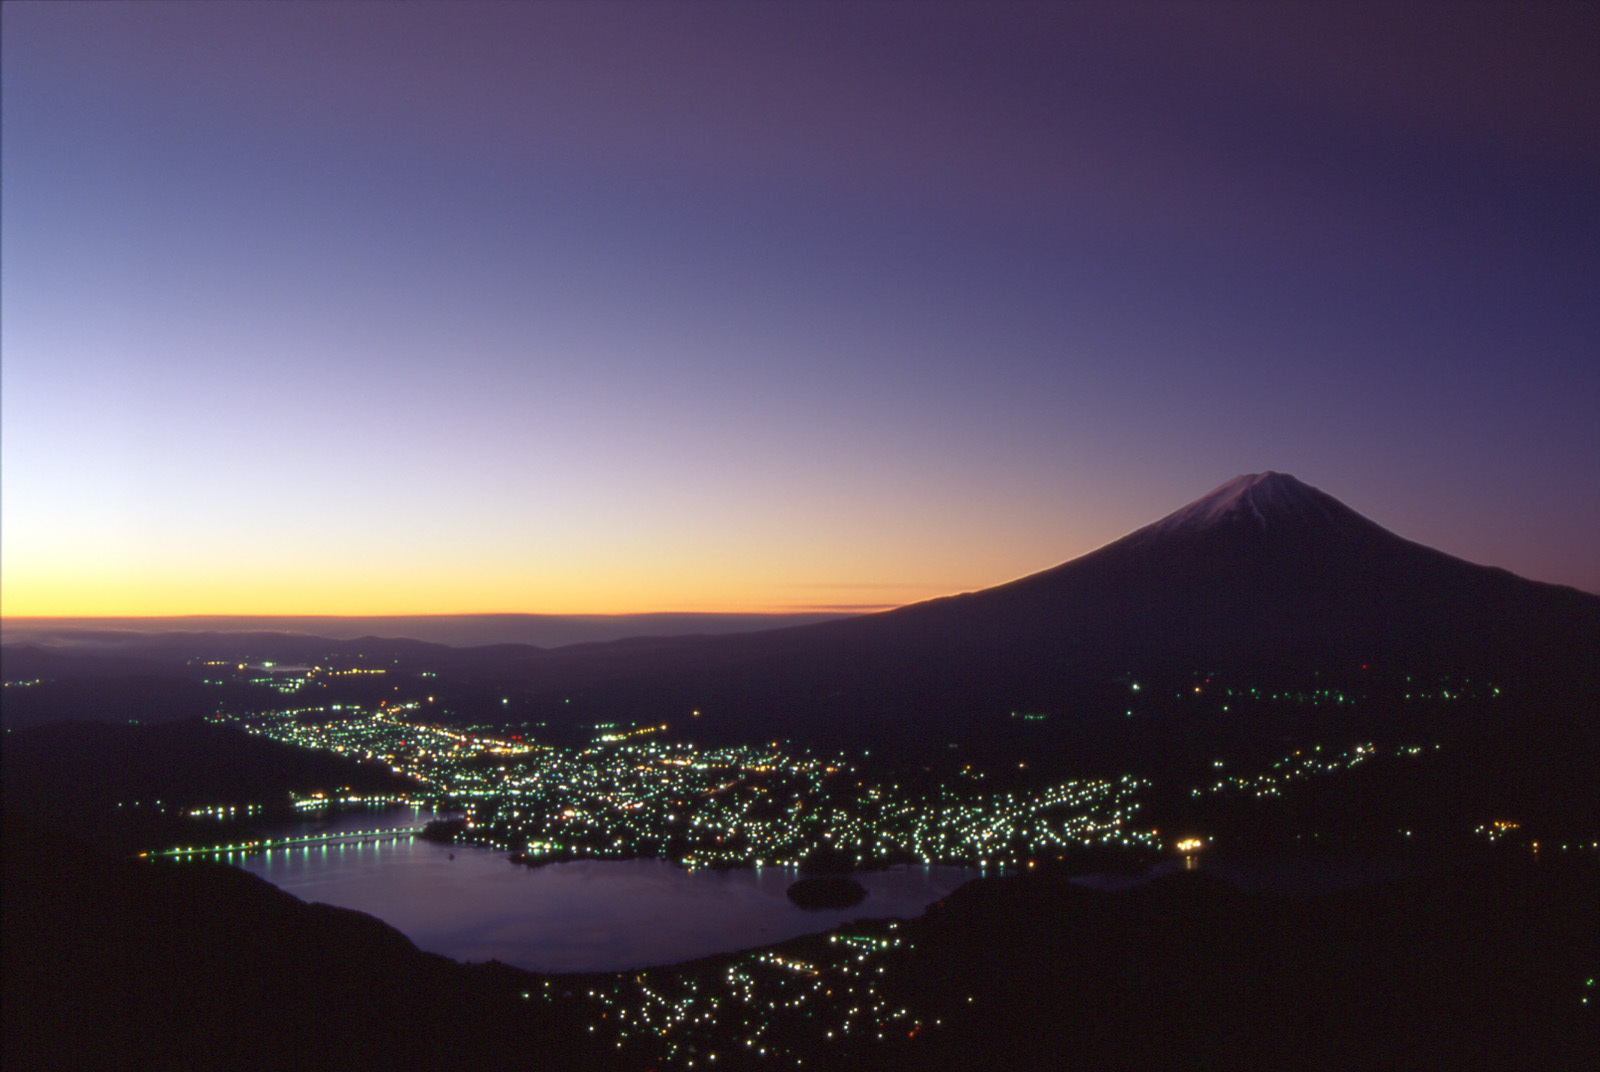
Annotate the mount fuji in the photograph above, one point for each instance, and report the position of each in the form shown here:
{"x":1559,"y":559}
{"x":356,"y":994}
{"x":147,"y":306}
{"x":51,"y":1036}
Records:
{"x":1268,"y":566}
{"x":1265,"y":571}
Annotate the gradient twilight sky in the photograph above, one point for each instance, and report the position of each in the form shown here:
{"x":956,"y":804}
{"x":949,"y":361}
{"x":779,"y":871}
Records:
{"x":605,"y":308}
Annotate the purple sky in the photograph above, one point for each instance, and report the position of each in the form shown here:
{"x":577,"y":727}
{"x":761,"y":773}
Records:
{"x":380,"y":308}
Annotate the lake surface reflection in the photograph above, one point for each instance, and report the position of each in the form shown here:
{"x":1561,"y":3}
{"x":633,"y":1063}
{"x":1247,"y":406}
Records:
{"x":591,"y":915}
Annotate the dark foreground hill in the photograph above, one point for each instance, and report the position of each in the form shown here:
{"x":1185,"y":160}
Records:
{"x":145,"y":964}
{"x":127,"y":786}
{"x":1482,"y":966}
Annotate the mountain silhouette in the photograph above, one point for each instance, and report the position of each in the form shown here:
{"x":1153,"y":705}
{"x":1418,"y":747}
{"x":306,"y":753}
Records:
{"x":1267,"y":566}
{"x":1263,"y":575}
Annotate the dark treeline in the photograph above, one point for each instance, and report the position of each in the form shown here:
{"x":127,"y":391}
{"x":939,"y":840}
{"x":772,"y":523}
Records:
{"x":104,"y":697}
{"x":103,"y":781}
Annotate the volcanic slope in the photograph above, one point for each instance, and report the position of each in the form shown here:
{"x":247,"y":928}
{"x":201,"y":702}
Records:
{"x":1267,"y":566}
{"x":1265,"y":571}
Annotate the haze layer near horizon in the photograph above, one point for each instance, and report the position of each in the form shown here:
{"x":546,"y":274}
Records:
{"x":455,"y":630}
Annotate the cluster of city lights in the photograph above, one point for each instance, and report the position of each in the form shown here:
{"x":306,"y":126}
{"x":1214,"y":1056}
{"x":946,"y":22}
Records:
{"x":773,"y":1004}
{"x":1211,"y":686}
{"x":285,"y":679}
{"x":431,"y":754}
{"x":1301,"y":764}
{"x":1510,"y":832}
{"x":225,"y":812}
{"x":740,"y":806}
{"x":344,"y":798}
{"x":1495,"y":831}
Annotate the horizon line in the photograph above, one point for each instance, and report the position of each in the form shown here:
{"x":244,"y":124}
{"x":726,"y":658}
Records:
{"x":801,"y":610}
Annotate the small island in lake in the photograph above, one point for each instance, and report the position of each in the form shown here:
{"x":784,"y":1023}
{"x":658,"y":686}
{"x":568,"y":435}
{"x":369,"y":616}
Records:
{"x":443,"y":831}
{"x":832,"y":891}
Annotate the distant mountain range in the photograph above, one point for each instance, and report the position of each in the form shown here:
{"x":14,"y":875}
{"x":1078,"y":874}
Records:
{"x":109,"y":636}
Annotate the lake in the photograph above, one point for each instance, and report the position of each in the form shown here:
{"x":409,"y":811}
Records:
{"x":590,"y":915}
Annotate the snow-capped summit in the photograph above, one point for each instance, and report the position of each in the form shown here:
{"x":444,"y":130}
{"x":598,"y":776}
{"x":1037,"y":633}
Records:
{"x":1259,"y":499}
{"x":1262,"y":567}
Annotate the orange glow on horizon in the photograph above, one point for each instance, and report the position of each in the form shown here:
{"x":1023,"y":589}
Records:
{"x":102,"y":595}
{"x":92,"y":580}
{"x":82,"y":573}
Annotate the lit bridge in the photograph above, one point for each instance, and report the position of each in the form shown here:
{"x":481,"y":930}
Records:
{"x":344,"y":837}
